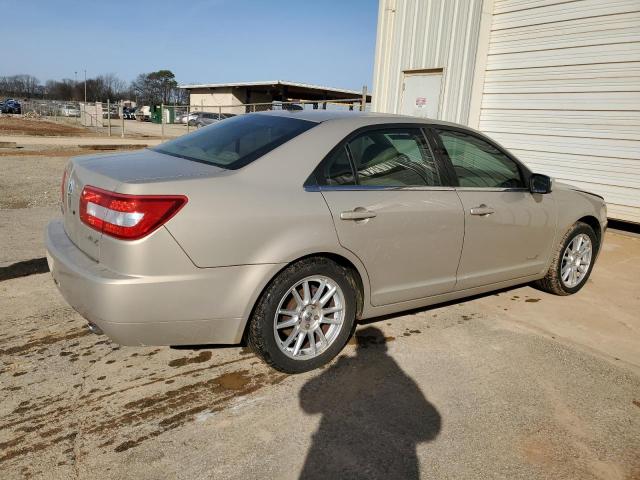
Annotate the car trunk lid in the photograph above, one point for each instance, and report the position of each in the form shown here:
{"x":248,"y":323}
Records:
{"x":139,"y":171}
{"x":84,"y":237}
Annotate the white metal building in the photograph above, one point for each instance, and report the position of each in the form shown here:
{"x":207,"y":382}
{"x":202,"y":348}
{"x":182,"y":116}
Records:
{"x":557,"y":82}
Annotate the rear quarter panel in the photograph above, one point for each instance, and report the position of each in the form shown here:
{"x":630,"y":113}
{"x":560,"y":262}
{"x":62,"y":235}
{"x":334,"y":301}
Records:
{"x":244,"y":222}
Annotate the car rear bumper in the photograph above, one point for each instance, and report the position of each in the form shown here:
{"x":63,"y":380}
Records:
{"x":207,"y":305}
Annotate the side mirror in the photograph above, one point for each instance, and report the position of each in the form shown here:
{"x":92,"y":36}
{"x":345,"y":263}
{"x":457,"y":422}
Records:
{"x":539,"y":183}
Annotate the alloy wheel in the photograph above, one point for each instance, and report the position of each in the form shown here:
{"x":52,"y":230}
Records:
{"x":309,"y":317}
{"x":576,"y":260}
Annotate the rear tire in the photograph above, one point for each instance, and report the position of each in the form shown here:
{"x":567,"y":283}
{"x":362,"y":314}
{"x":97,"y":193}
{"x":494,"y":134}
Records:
{"x":572,"y":261}
{"x":291,"y":313}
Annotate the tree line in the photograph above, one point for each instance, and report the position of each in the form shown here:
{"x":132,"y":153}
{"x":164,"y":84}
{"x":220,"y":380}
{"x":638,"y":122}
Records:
{"x":151,"y":88}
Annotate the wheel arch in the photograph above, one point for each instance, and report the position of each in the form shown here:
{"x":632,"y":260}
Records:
{"x":594,"y":223}
{"x":356,"y":271}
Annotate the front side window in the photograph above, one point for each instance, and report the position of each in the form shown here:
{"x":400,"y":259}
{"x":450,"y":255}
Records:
{"x":236,"y":142}
{"x":478,"y":164}
{"x":398,"y":157}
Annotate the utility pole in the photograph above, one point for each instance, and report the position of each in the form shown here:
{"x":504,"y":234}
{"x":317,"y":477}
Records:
{"x":85,"y":86}
{"x":363,"y":102}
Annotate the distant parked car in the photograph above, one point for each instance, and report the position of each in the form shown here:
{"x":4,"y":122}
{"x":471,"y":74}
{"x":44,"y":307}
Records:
{"x":202,"y":119}
{"x":143,"y":114}
{"x":185,"y":118}
{"x":113,"y":109}
{"x":11,"y":106}
{"x":129,"y":113}
{"x":69,"y":111}
{"x":287,"y":106}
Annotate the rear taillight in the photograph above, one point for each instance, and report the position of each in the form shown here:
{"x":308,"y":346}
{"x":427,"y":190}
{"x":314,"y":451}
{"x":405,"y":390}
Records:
{"x":62,"y":189}
{"x":128,"y":217}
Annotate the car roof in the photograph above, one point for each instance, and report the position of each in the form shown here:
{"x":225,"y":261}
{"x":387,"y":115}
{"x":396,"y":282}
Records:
{"x":321,"y":116}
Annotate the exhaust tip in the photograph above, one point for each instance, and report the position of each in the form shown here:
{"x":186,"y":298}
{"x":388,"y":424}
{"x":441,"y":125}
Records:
{"x":93,"y":328}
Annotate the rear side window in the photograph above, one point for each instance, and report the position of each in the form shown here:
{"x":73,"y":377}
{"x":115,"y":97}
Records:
{"x":337,"y":169}
{"x":236,"y":142}
{"x":394,"y":157}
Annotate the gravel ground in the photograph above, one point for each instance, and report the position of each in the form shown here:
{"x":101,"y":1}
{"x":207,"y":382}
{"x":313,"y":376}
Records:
{"x":516,"y":384}
{"x":31,"y":175}
{"x":31,"y":181}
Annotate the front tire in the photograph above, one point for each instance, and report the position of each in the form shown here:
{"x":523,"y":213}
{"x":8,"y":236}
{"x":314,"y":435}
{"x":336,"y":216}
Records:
{"x":572,"y":261}
{"x":305,"y":316}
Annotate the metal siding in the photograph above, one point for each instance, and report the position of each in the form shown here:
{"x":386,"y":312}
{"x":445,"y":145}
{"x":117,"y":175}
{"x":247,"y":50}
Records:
{"x":562,"y":91}
{"x":425,"y":34}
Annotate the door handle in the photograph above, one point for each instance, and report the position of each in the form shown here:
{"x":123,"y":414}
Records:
{"x":358,"y":213}
{"x":482,"y":210}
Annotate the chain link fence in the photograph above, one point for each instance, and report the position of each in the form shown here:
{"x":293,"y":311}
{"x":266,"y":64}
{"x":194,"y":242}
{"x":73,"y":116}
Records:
{"x":51,"y":110}
{"x":165,"y":121}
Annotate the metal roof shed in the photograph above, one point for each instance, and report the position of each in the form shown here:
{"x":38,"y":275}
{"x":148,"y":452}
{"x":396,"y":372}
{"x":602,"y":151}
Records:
{"x":233,"y":97}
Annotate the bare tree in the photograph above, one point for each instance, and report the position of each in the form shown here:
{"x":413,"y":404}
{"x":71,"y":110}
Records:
{"x":19,"y":86}
{"x":149,"y":88}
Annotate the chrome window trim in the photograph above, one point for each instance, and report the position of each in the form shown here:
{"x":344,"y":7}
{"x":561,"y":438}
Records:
{"x":492,"y":189}
{"x":356,"y":188}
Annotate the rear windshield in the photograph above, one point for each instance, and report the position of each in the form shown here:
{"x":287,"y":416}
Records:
{"x":236,"y":142}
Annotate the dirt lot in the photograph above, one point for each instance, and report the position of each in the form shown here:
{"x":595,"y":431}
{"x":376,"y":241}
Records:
{"x":68,"y":127}
{"x":15,"y":125}
{"x":515,"y":384}
{"x":20,"y":127}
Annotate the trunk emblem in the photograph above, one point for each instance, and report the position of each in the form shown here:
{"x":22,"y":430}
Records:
{"x":70,"y":187}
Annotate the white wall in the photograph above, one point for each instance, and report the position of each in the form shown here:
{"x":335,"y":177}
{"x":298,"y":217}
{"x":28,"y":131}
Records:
{"x":427,"y":34}
{"x":562,"y":92}
{"x":206,"y":100}
{"x":557,"y":82}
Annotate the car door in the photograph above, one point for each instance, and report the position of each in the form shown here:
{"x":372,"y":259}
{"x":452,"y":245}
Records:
{"x":508,"y":230}
{"x":390,"y":207}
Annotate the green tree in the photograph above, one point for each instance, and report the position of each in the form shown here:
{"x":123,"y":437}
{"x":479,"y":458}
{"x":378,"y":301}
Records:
{"x":156,"y":87}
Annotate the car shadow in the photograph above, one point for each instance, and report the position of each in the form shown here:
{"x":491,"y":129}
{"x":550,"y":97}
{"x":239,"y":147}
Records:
{"x":373,"y":416}
{"x":449,"y":303}
{"x":368,"y":321}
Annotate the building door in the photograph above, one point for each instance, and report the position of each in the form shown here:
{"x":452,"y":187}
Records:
{"x":421,"y":94}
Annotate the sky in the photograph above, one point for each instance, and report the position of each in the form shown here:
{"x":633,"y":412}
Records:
{"x":326,"y":42}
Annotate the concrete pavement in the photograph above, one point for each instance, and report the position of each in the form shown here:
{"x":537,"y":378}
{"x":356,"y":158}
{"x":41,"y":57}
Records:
{"x":518,"y":384}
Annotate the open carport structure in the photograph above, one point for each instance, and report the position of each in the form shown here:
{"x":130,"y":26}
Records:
{"x":247,"y":96}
